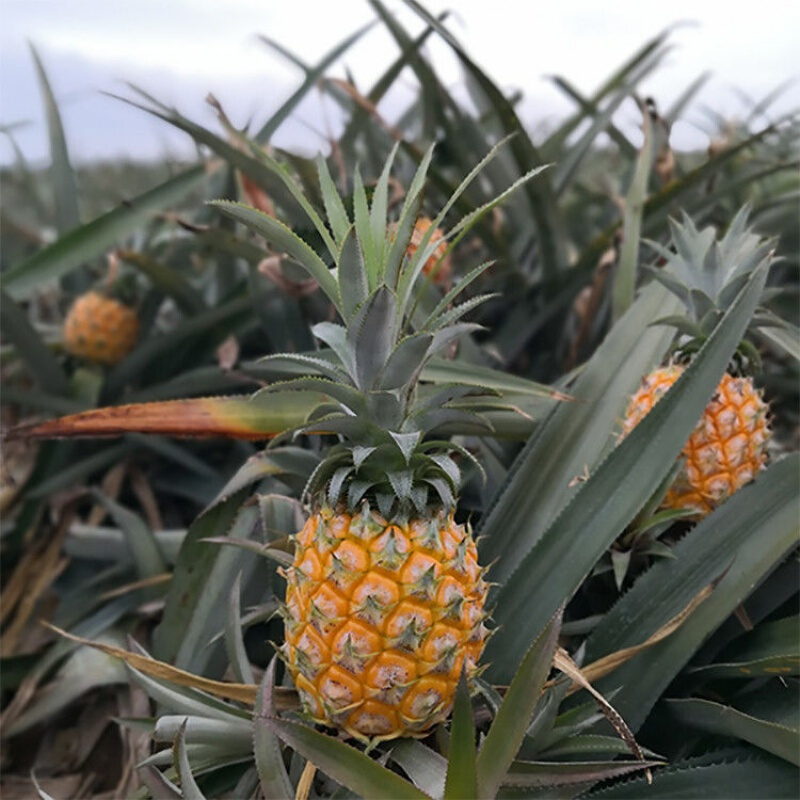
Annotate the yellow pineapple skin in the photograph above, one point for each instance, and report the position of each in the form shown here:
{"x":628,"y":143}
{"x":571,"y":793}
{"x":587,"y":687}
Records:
{"x":727,"y":448}
{"x":100,"y":329}
{"x":380,"y":618}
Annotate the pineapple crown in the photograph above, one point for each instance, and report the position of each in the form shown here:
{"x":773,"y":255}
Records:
{"x":393,"y":323}
{"x":707,"y":274}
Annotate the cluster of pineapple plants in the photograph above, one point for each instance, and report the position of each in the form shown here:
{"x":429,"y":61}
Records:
{"x":455,"y":547}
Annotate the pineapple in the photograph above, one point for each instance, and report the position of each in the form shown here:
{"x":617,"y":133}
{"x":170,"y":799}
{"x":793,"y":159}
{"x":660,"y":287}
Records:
{"x":728,"y":447}
{"x":100,"y":328}
{"x":384,"y":605}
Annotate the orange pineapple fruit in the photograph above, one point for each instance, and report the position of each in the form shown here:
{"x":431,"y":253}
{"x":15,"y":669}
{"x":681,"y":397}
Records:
{"x":728,"y":446}
{"x":381,"y":618}
{"x":100,"y":329}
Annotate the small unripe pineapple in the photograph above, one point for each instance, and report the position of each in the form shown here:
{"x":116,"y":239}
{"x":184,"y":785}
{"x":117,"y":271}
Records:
{"x":727,"y":448}
{"x":100,"y":329}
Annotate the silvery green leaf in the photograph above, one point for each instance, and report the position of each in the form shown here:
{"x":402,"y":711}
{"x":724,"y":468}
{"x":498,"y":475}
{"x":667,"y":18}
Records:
{"x":401,"y":483}
{"x":443,"y":489}
{"x":361,"y":454}
{"x":335,"y":336}
{"x":405,"y":361}
{"x":407,"y":442}
{"x":373,"y":337}
{"x":189,"y":788}
{"x":337,"y":482}
{"x":448,"y":466}
{"x":352,"y":277}
{"x":334,"y":207}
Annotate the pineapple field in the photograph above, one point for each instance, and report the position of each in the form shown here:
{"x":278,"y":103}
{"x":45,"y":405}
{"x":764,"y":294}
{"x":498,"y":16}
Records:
{"x":452,"y":461}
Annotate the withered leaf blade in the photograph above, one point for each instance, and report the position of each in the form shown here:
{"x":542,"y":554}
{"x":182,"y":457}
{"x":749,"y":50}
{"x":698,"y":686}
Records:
{"x":228,"y":417}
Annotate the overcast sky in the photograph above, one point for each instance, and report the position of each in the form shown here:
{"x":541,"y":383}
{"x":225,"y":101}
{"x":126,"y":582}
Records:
{"x":179,"y":50}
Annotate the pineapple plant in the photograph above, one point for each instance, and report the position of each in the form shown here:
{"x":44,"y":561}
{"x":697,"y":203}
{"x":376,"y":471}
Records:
{"x":728,"y":447}
{"x":100,"y":328}
{"x":384,"y":606}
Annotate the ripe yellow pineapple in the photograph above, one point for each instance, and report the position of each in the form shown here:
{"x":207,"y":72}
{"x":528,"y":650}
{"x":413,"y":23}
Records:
{"x":381,"y":618}
{"x":728,"y":447}
{"x":100,"y":328}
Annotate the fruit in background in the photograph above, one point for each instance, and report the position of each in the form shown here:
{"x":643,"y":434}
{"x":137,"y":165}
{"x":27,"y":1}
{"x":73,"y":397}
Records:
{"x":437,"y":265}
{"x":729,"y":444}
{"x":100,"y":329}
{"x":727,"y":448}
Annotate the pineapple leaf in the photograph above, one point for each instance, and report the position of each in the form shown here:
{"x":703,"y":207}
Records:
{"x":405,"y":224}
{"x":779,"y":738}
{"x":285,"y":239}
{"x":771,"y":649}
{"x":406,"y":360}
{"x":625,"y":274}
{"x":575,"y":435}
{"x":41,"y":362}
{"x":459,"y":287}
{"x":406,"y":442}
{"x":142,"y":543}
{"x":308,"y":364}
{"x":542,"y":203}
{"x":548,"y":774}
{"x":65,"y":190}
{"x":683,"y":324}
{"x":189,"y":788}
{"x":443,"y":490}
{"x":344,"y":763}
{"x":274,"y":779}
{"x":311,"y":80}
{"x":455,"y":313}
{"x":769,"y":505}
{"x":334,"y":207}
{"x":93,"y":239}
{"x":446,"y":336}
{"x":740,"y":776}
{"x":512,"y":718}
{"x":386,"y":503}
{"x":352,"y":276}
{"x":349,"y":397}
{"x":363,"y":228}
{"x":337,"y":482}
{"x":281,"y":171}
{"x":361,"y":454}
{"x":401,"y":482}
{"x":378,"y":212}
{"x":356,"y":492}
{"x":461,"y":782}
{"x":374,"y":335}
{"x":335,"y":336}
{"x":449,"y":468}
{"x":426,"y":768}
{"x":786,"y":337}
